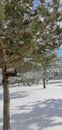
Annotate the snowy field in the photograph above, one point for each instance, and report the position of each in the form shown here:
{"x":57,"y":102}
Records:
{"x":35,"y":108}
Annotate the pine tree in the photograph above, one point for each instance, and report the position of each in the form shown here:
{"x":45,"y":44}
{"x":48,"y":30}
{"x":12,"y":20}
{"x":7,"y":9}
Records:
{"x":15,"y":44}
{"x":26,"y":33}
{"x":47,"y":33}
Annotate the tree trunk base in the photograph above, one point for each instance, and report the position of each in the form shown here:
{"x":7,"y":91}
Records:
{"x":44,"y":85}
{"x":6,"y":106}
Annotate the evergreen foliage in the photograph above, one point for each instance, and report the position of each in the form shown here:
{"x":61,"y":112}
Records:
{"x":28,"y":35}
{"x":47,"y":33}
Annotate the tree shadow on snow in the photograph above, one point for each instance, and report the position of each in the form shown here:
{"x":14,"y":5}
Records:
{"x":1,"y":96}
{"x":54,"y":82}
{"x":14,"y":95}
{"x":37,"y":115}
{"x":21,"y":94}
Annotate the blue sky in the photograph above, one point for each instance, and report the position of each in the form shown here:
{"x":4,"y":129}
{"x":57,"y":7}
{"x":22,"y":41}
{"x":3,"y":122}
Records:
{"x":35,"y":5}
{"x":37,"y":2}
{"x":59,"y":54}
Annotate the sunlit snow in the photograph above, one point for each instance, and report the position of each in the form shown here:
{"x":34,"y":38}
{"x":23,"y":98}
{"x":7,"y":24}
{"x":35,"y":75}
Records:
{"x":34,"y":108}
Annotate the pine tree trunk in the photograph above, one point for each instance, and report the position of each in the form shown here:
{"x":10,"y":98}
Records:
{"x":6,"y":103}
{"x":44,"y":81}
{"x":6,"y":98}
{"x":44,"y":84}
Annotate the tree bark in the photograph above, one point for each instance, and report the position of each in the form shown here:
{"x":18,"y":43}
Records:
{"x":44,"y":84}
{"x":6,"y":105}
{"x":6,"y":98}
{"x":44,"y":74}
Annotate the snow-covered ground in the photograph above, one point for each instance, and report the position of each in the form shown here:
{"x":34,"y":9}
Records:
{"x":35,"y":108}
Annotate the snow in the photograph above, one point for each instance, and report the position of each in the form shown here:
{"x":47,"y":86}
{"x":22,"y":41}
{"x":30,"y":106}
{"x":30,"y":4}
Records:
{"x":60,"y":24}
{"x":35,"y":108}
